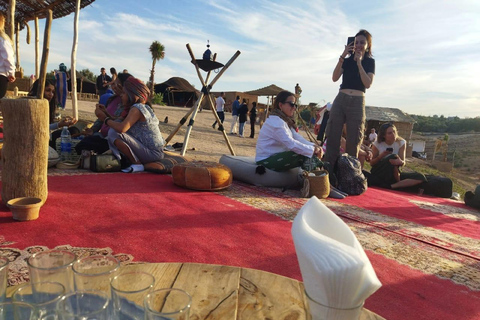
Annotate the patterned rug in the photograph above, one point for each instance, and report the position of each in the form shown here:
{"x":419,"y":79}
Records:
{"x":425,"y":250}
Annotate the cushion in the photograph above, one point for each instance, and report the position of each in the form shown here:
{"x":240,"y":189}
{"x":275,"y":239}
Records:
{"x":243,"y":169}
{"x":202,"y":175}
{"x":165,"y":165}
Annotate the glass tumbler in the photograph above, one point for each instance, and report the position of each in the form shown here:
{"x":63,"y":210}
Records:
{"x":16,"y":311}
{"x":52,"y":266}
{"x":42,"y":295}
{"x":83,"y":305}
{"x":3,"y":277}
{"x":128,"y":293}
{"x":172,"y":304}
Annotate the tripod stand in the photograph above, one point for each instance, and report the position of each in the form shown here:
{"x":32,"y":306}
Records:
{"x":206,"y":87}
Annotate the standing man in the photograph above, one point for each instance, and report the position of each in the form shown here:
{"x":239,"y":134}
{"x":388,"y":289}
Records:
{"x":220,"y":107}
{"x":253,"y":119}
{"x":235,"y":107}
{"x":102,"y":81}
{"x":298,"y":91}
{"x":372,"y":137}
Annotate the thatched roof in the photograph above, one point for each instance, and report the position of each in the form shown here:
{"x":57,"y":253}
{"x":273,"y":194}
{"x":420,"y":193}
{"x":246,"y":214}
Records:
{"x":175,"y":84}
{"x":387,"y":114}
{"x":26,"y":10}
{"x":271,"y":90}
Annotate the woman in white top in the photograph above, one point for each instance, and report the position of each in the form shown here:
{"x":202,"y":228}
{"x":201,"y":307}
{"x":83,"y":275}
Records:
{"x":388,"y":158}
{"x":279,"y":146}
{"x":7,"y":63}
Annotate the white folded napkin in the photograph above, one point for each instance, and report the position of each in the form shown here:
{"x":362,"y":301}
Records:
{"x":336,"y":271}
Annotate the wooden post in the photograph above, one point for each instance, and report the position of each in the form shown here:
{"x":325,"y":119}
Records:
{"x":73,"y":76}
{"x":37,"y":48}
{"x":46,"y":49}
{"x":25,"y":148}
{"x":12,"y":18}
{"x":17,"y":46}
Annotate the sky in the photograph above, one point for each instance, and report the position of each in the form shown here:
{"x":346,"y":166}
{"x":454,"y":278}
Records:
{"x":426,"y":52}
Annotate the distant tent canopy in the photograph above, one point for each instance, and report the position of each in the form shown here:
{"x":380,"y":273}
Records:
{"x":177,"y":92}
{"x":271,"y":90}
{"x":84,"y":85}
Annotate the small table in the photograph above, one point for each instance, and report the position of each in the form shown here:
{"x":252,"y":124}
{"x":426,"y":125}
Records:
{"x":224,"y":292}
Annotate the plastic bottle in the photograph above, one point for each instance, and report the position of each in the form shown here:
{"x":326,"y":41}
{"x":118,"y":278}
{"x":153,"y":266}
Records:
{"x":65,"y":144}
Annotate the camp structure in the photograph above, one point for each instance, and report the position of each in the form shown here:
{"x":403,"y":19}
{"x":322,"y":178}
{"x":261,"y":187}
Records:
{"x":376,"y":116}
{"x":177,"y":91}
{"x":84,"y":85}
{"x":268,"y":91}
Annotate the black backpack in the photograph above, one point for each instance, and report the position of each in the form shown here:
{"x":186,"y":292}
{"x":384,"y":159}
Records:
{"x":351,"y":179}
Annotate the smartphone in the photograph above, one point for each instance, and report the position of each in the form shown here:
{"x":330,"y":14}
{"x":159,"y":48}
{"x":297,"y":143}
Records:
{"x":390,"y":149}
{"x":349,"y":41}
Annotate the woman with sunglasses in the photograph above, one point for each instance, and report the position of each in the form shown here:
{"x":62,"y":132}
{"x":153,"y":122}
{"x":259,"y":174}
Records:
{"x":279,"y":146}
{"x":357,"y":69}
{"x":388,"y":158}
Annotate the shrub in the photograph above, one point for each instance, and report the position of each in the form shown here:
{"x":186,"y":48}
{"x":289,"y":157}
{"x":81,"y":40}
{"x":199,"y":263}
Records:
{"x":158,"y":99}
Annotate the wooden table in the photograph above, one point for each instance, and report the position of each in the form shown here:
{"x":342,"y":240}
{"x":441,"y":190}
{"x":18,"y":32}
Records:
{"x":222,"y":292}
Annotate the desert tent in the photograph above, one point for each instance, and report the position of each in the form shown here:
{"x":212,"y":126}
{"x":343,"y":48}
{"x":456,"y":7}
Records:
{"x":177,"y":91}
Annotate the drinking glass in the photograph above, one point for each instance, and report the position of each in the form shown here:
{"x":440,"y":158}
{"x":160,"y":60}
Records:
{"x":52,"y":266}
{"x":83,"y":305}
{"x":128,"y":293}
{"x":95,"y":273}
{"x":320,"y":311}
{"x":3,"y":277}
{"x":42,"y":295}
{"x":16,"y":311}
{"x":171,"y":304}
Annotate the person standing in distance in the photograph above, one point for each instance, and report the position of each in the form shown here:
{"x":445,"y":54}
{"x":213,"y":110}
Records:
{"x":7,"y":62}
{"x":235,"y":107}
{"x":357,"y":69}
{"x":220,"y":107}
{"x":102,"y":82}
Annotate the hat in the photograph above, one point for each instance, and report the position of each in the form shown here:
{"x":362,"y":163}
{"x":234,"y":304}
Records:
{"x":135,"y":88}
{"x":329,"y":106}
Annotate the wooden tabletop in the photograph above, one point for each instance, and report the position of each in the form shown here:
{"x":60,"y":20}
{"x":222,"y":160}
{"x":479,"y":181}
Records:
{"x":223,"y":292}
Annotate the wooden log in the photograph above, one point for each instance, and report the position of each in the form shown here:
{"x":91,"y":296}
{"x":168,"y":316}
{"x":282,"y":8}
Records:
{"x":11,"y":19}
{"x":37,"y":48}
{"x":25,"y":148}
{"x":46,"y":50}
{"x":17,"y":46}
{"x":74,"y":61}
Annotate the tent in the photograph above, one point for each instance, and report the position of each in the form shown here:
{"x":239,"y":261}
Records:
{"x":271,"y":90}
{"x":177,"y":92}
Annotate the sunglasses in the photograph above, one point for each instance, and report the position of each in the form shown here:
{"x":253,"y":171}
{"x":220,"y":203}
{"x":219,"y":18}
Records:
{"x":292,"y":104}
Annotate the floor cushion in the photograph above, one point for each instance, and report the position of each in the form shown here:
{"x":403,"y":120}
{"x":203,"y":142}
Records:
{"x":243,"y":169}
{"x":202,"y":175}
{"x":165,"y":165}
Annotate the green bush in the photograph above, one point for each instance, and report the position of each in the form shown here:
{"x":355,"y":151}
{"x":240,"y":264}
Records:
{"x":158,"y":99}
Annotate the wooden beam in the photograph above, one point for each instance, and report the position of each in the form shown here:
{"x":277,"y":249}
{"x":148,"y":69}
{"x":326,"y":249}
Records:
{"x":17,"y":47}
{"x":73,"y":76}
{"x":46,"y":50}
{"x":12,"y":18}
{"x":37,"y":48}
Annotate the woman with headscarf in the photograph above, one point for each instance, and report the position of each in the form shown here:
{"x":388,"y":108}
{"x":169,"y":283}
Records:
{"x":138,"y":136}
{"x":279,"y":146}
{"x":7,"y":63}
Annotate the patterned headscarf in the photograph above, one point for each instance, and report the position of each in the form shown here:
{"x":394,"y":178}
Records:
{"x":135,"y":88}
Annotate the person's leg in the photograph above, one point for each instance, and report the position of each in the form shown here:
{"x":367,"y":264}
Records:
{"x":334,"y":128}
{"x":233,"y":127}
{"x":405,"y":183}
{"x":3,"y":86}
{"x":240,"y":129}
{"x":355,"y":122}
{"x":252,"y":128}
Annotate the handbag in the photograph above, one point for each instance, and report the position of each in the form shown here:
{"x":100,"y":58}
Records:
{"x":99,"y":162}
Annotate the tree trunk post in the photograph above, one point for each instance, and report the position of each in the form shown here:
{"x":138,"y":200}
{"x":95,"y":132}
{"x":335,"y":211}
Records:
{"x":46,"y":50}
{"x":37,"y":48}
{"x":25,"y":148}
{"x":73,"y":76}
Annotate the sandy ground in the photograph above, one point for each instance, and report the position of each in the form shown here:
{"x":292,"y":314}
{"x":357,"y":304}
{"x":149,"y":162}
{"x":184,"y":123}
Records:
{"x":205,"y":143}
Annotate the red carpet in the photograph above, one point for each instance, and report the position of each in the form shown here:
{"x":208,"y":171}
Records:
{"x":424,"y":250}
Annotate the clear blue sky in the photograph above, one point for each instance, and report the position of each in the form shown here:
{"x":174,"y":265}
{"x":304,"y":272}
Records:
{"x":426,"y":52}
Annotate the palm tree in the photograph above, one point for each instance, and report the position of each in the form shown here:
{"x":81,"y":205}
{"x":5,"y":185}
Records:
{"x":158,"y":52}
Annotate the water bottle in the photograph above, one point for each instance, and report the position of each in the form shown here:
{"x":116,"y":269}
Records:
{"x":65,"y":144}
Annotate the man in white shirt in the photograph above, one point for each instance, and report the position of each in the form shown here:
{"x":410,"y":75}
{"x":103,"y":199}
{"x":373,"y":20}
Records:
{"x":372,"y":137}
{"x":220,"y":106}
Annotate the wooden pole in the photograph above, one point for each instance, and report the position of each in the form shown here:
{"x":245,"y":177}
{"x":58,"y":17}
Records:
{"x":37,"y":48}
{"x":12,"y":18}
{"x":17,"y":46}
{"x":25,"y":148}
{"x":46,"y":50}
{"x":73,"y":76}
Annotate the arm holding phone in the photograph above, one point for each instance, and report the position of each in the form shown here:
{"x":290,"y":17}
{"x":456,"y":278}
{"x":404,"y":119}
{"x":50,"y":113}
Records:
{"x":338,"y":71}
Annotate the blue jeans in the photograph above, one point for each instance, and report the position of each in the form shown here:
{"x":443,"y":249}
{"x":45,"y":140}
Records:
{"x":240,"y":129}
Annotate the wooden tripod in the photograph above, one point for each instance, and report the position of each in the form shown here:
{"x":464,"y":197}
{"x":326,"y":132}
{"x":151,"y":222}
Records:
{"x":206,"y":87}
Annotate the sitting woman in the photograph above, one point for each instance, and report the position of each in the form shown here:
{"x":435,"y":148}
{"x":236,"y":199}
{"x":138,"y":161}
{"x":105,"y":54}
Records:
{"x":49,"y":94}
{"x":388,"y":158}
{"x":138,"y":136}
{"x":280,"y":147}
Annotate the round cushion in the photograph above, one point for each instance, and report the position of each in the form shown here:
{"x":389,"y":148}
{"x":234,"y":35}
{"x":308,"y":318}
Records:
{"x":202,"y":175}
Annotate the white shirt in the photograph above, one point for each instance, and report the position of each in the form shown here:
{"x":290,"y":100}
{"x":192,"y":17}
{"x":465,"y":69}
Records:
{"x":7,"y":61}
{"x":220,"y":103}
{"x":372,"y":137}
{"x":275,"y":137}
{"x":382,"y":146}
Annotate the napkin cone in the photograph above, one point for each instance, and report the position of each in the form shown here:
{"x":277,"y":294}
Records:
{"x":336,"y":271}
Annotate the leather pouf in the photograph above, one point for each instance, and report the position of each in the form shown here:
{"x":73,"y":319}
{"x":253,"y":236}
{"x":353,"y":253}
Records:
{"x":202,"y":175}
